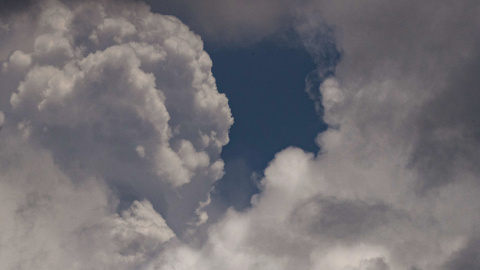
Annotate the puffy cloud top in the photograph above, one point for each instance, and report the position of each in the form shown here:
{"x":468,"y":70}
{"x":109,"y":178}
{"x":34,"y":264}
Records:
{"x":139,"y":78}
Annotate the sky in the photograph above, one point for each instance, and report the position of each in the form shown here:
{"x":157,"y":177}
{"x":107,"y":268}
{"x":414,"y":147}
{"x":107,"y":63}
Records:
{"x":270,"y":107}
{"x":240,"y":135}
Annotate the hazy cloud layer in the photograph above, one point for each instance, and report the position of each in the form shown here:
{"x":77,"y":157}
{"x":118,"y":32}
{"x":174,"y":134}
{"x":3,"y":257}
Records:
{"x":109,"y":104}
{"x":233,"y":22}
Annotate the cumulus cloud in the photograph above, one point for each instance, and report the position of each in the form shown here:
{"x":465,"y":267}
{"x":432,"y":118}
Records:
{"x":115,"y":128}
{"x":120,"y":93}
{"x":395,"y":184}
{"x":84,"y":84}
{"x":50,"y":222}
{"x":113,"y":118}
{"x":18,"y":60}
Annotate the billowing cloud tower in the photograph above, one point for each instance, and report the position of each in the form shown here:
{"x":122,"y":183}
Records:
{"x":105,"y":107}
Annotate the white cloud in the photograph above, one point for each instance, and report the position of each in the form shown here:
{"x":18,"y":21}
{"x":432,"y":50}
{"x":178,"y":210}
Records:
{"x":116,"y":29}
{"x":143,"y":80}
{"x":18,"y":60}
{"x":124,"y":100}
{"x":117,"y":110}
{"x":395,"y":166}
{"x":331,"y":93}
{"x":139,"y":230}
{"x":140,"y":151}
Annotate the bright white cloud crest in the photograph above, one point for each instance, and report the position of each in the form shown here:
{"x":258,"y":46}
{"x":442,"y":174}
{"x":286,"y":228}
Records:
{"x":110,"y":110}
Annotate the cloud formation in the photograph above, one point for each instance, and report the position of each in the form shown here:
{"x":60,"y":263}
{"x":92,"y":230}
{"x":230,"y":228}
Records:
{"x":396,"y":183}
{"x":49,"y":222}
{"x":111,"y":110}
{"x":110,"y":113}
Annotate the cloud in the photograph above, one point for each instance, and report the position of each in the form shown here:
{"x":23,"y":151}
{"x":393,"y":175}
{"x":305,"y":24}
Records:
{"x":122,"y":94}
{"x":343,"y":220}
{"x":8,"y":7}
{"x":50,"y":222}
{"x":233,"y":22}
{"x":113,"y":115}
{"x":466,"y":258}
{"x":395,"y":166}
{"x":113,"y":135}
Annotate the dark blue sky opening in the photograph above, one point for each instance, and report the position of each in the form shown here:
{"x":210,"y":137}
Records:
{"x":265,"y":85}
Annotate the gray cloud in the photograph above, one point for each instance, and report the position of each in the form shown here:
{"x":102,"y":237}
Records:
{"x":233,"y":22}
{"x":401,"y":104}
{"x":7,"y":7}
{"x":466,"y":258}
{"x":123,"y":110}
{"x":395,"y":166}
{"x":98,"y":84}
{"x":2,"y":119}
{"x":50,"y":222}
{"x":428,"y":63}
{"x":347,"y":220}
